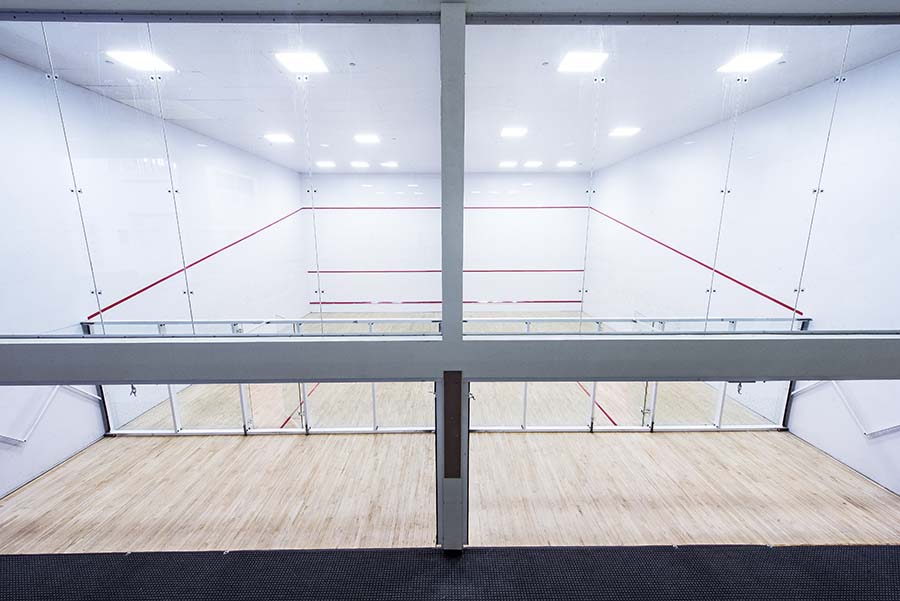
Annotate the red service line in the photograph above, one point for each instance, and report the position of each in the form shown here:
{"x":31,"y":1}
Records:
{"x":701,"y":263}
{"x":289,"y":417}
{"x":587,"y":392}
{"x":504,"y":207}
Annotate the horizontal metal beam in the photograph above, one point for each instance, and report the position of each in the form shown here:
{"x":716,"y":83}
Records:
{"x":710,"y":357}
{"x":87,"y":16}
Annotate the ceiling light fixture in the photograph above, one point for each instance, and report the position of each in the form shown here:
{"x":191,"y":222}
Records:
{"x":582,"y":62}
{"x":508,"y":164}
{"x":513,"y":132}
{"x":566,"y":164}
{"x":749,"y":62}
{"x":325,"y":164}
{"x":623,"y":132}
{"x":301,"y":62}
{"x":359,"y":164}
{"x":412,"y":185}
{"x":140,"y":60}
{"x":532,"y":164}
{"x":390,"y":164}
{"x":367,"y":138}
{"x":279,"y":138}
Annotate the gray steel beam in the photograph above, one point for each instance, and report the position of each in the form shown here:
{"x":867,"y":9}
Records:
{"x":709,"y":357}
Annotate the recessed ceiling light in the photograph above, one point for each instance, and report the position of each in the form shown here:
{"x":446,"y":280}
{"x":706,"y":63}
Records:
{"x":390,"y":164}
{"x":623,"y":132}
{"x":582,"y":62}
{"x":566,"y":164}
{"x":513,"y":132}
{"x":532,"y":164}
{"x":139,"y":59}
{"x":508,"y":164}
{"x":279,"y":138}
{"x":301,"y":62}
{"x":412,"y":185}
{"x":359,"y":164}
{"x":325,"y":164}
{"x":367,"y":138}
{"x":202,"y":145}
{"x":367,"y":185}
{"x":527,"y":183}
{"x":324,"y":145}
{"x":476,"y":191}
{"x":749,"y":62}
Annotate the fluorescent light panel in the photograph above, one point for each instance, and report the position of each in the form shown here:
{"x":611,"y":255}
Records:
{"x":579,"y":61}
{"x":139,"y":59}
{"x":566,"y":164}
{"x":390,"y":164}
{"x":301,"y":62}
{"x":279,"y":138}
{"x":749,"y":62}
{"x":513,"y":132}
{"x":367,"y":138}
{"x":325,"y":164}
{"x":508,"y":164}
{"x":359,"y":164}
{"x":623,"y":132}
{"x":532,"y":164}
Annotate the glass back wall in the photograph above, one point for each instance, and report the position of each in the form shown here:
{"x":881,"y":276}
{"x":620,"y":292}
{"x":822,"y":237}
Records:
{"x":672,"y":178}
{"x":174,"y":178}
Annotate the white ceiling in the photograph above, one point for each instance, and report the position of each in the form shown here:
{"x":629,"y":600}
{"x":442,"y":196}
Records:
{"x":227,"y":85}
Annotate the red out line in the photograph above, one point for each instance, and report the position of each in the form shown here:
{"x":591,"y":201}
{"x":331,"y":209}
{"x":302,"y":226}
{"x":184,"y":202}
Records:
{"x":289,"y":417}
{"x":702,"y":264}
{"x":200,"y":260}
{"x":502,"y":207}
{"x":376,"y":208}
{"x":600,"y":407}
{"x":344,"y":271}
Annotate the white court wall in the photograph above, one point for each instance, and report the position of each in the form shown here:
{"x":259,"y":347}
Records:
{"x":672,"y":193}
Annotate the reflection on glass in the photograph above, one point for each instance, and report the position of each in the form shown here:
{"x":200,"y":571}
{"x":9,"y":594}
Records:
{"x":142,"y":407}
{"x":210,"y":407}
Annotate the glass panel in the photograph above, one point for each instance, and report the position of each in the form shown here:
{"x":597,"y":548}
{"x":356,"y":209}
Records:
{"x":405,"y":404}
{"x":47,"y":279}
{"x":778,"y":144}
{"x":621,"y":404}
{"x":108,"y":99}
{"x":656,"y":200}
{"x":373,"y":172}
{"x":687,"y":403}
{"x":848,"y":281}
{"x":331,"y":405}
{"x":754,"y":403}
{"x":565,"y":404}
{"x":142,"y":407}
{"x":239,"y":193}
{"x":496,"y":404}
{"x":210,"y":406}
{"x":276,"y":406}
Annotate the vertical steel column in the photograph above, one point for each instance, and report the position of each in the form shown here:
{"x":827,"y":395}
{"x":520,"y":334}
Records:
{"x":453,"y":110}
{"x":525,"y":388}
{"x":452,"y":459}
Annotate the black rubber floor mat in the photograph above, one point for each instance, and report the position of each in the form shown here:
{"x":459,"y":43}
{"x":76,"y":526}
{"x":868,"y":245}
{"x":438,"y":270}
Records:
{"x":690,"y":573}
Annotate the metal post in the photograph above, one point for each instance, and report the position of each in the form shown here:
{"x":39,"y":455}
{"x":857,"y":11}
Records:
{"x":246,"y":410}
{"x":525,"y":388}
{"x":453,"y":111}
{"x":374,"y":409}
{"x":654,"y":390}
{"x":173,"y":406}
{"x":786,"y":409}
{"x":720,"y":408}
{"x":593,"y":402}
{"x":452,"y":461}
{"x":87,"y":328}
{"x":305,"y":405}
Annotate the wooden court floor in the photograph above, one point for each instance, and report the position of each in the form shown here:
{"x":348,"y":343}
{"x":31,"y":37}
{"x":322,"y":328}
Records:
{"x":377,"y":490}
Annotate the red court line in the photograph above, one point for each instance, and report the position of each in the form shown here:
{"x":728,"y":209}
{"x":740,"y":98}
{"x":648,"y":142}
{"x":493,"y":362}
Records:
{"x":501,"y":207}
{"x":611,"y":420}
{"x":376,"y":208}
{"x":339,"y":271}
{"x":701,"y":263}
{"x":312,"y":390}
{"x":200,"y":260}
